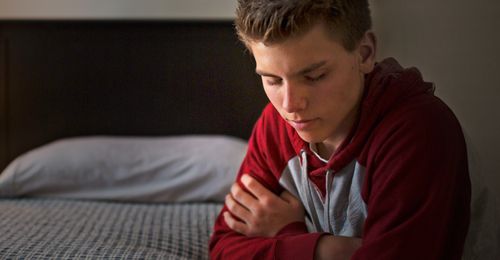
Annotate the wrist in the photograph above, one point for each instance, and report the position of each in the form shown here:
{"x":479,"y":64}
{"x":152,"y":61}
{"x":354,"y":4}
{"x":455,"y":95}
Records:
{"x":336,"y":247}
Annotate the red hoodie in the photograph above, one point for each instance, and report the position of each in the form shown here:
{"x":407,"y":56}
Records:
{"x":399,"y":181}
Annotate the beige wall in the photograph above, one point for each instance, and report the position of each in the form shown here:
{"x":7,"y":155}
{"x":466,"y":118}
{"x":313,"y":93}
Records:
{"x":456,"y":44}
{"x":117,"y":9}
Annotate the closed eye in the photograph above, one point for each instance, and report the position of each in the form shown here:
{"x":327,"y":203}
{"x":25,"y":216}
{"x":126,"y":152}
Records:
{"x":315,"y":78}
{"x":273,"y":81}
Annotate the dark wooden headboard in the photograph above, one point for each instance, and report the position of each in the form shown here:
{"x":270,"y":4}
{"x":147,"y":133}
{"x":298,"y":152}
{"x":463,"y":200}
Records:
{"x":135,"y":78}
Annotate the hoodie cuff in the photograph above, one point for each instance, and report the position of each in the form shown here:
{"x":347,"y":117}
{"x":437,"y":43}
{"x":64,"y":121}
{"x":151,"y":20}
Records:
{"x":302,"y":246}
{"x":294,"y":228}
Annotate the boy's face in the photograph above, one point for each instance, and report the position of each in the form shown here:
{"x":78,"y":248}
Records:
{"x":314,"y":83}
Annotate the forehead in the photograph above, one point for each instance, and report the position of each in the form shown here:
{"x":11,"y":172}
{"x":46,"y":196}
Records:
{"x":315,"y":45}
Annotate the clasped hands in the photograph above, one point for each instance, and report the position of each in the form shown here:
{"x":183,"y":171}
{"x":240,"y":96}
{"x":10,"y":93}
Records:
{"x":259,"y":212}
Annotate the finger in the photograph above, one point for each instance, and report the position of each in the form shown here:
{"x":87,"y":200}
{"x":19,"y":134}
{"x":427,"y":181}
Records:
{"x":236,"y":209}
{"x":243,"y":198}
{"x":257,"y":189}
{"x":234,"y":224}
{"x":288,"y":197}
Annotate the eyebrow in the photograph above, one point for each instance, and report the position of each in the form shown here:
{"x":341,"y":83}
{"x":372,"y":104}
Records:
{"x":303,"y":71}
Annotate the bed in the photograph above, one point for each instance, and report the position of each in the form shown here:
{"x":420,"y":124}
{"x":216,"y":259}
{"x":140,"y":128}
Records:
{"x":119,"y":139}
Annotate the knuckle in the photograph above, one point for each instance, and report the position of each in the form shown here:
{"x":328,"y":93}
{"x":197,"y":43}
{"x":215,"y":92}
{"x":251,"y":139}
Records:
{"x":266,"y":202}
{"x":234,"y":189}
{"x":236,"y":192}
{"x":252,"y":184}
{"x":229,"y":202}
{"x":229,"y":222}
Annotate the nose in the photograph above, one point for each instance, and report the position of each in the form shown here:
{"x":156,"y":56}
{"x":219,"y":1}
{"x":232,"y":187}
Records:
{"x":294,"y":98}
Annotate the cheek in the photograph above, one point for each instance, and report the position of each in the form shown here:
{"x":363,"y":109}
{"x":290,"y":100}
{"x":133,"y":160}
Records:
{"x":273,"y":96}
{"x":340,"y":91}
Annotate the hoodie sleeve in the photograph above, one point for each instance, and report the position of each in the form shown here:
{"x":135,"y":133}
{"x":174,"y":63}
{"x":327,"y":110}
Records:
{"x":264,"y":160}
{"x":292,"y":242}
{"x":417,"y":187}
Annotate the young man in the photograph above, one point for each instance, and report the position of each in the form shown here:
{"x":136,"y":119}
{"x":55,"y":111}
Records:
{"x":352,"y":158}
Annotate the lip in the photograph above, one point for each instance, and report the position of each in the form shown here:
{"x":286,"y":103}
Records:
{"x":302,"y":124}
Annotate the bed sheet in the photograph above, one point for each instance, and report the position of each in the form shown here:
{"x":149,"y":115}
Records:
{"x":42,"y":228}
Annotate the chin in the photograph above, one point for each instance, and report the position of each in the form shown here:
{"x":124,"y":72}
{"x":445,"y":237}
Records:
{"x":310,"y":137}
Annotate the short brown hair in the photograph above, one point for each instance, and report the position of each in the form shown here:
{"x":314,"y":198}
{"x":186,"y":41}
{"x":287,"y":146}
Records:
{"x":272,"y":21}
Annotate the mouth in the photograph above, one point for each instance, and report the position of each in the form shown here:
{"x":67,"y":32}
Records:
{"x":302,"y":124}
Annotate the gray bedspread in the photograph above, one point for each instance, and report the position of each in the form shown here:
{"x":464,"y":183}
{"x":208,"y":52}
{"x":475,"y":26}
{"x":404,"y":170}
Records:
{"x":75,"y":229}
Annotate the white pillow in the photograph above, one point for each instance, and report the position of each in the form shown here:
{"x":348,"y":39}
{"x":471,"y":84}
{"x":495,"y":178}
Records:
{"x":167,"y":169}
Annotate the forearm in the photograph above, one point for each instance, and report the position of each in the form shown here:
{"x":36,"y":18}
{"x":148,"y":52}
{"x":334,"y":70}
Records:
{"x":336,"y":247}
{"x":292,"y":242}
{"x":234,"y":246}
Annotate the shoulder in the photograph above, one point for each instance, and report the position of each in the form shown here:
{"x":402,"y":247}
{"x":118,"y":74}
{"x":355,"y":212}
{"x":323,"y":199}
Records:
{"x":418,"y":145}
{"x":422,"y":125}
{"x":423,"y":115}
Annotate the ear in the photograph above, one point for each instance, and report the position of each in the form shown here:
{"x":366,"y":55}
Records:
{"x":367,"y":49}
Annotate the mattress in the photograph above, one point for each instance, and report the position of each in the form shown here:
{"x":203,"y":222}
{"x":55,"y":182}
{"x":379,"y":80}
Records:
{"x":43,"y":228}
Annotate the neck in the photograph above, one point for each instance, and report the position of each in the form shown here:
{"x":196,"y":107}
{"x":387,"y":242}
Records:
{"x":324,"y":151}
{"x":330,"y":145}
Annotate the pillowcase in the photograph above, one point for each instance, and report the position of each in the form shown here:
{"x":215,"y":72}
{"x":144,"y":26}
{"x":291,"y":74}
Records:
{"x":139,"y":169}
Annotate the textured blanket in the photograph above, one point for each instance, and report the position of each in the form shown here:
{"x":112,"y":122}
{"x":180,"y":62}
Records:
{"x":75,"y":229}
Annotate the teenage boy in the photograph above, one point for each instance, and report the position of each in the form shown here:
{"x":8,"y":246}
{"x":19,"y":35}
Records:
{"x":352,"y":158}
